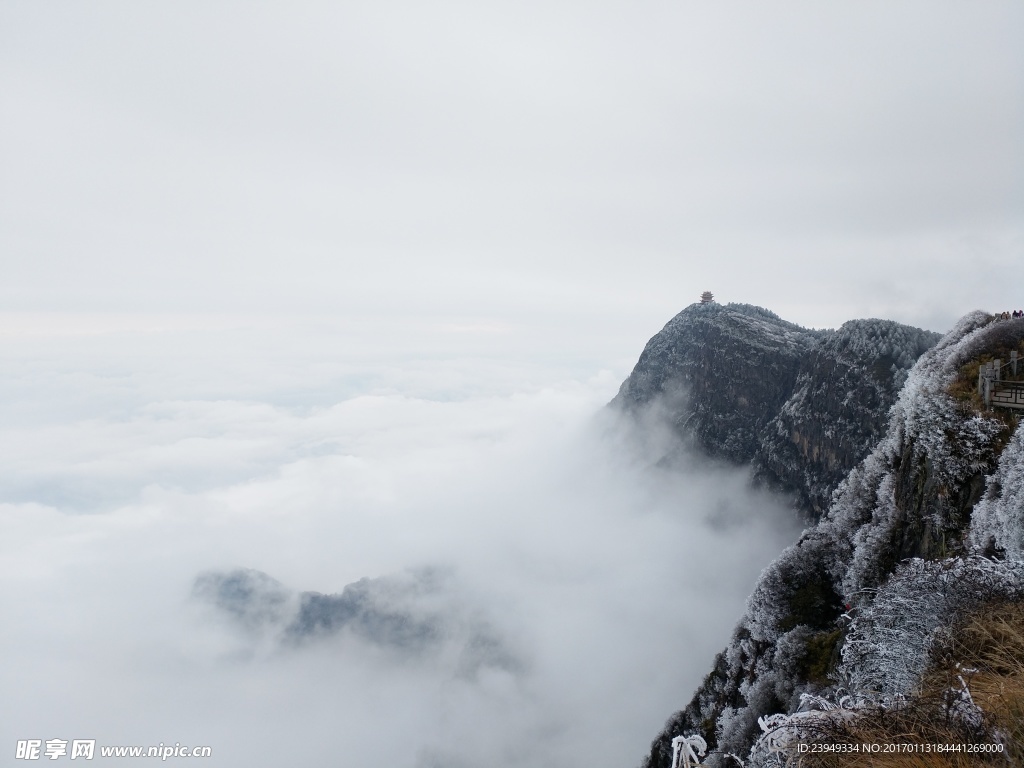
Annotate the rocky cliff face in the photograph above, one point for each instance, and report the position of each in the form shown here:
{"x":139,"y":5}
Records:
{"x":801,"y":406}
{"x":723,"y":372}
{"x":938,"y":492}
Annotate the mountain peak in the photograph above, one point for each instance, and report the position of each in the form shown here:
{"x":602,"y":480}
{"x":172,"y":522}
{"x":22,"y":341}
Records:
{"x":925,"y":524}
{"x":803,"y":406}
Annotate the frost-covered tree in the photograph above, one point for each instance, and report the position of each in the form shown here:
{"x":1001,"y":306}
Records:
{"x":997,"y":524}
{"x":892,"y":554}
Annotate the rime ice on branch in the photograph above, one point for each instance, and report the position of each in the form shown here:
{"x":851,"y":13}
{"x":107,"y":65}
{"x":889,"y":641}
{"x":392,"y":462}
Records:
{"x":687,"y":751}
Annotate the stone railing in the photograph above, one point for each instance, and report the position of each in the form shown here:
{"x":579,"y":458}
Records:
{"x":995,"y":385}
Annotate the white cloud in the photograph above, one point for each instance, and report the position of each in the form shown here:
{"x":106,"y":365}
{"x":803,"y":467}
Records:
{"x":334,"y":292}
{"x":604,"y":575}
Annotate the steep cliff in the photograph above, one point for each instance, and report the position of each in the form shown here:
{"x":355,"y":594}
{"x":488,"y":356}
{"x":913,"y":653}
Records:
{"x":835,"y":610}
{"x":801,"y":406}
{"x":838,"y":408}
{"x":723,"y":373}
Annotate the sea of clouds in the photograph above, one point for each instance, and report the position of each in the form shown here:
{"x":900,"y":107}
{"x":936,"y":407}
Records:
{"x":452,"y":226}
{"x":592,"y":580}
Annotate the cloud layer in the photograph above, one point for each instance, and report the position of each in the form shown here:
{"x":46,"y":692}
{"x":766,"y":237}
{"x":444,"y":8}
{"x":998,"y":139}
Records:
{"x":337,"y":292}
{"x":570,"y":590}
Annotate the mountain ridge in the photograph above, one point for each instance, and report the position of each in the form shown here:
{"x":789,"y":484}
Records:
{"x":747,"y":387}
{"x":910,"y":499}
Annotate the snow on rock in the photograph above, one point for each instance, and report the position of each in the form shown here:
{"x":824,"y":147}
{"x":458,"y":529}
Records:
{"x":721,"y":372}
{"x":895,"y":547}
{"x":801,"y":406}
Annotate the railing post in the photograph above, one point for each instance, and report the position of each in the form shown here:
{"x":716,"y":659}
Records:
{"x":996,"y":366}
{"x":988,"y":392}
{"x":1013,"y":362}
{"x":981,"y":379}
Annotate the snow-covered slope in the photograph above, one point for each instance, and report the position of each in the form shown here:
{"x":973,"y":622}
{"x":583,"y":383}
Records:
{"x":909,"y":509}
{"x":722,"y":373}
{"x":801,"y":406}
{"x":838,"y":409}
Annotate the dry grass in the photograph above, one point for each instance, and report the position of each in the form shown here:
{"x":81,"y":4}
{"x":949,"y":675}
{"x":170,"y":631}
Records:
{"x":991,"y":640}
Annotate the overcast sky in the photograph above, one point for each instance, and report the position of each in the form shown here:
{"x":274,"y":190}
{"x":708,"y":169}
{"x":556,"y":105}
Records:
{"x":335,"y":290}
{"x":828,"y":161}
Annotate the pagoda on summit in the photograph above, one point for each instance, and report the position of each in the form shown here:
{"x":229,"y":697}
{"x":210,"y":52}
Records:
{"x":707,"y":297}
